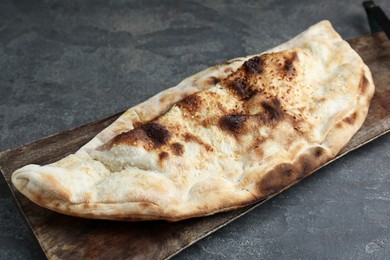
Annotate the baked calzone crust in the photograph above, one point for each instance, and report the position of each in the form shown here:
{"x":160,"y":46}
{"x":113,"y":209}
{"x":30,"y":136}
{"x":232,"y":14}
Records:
{"x":224,"y":138}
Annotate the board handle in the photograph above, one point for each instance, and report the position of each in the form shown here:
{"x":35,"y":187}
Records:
{"x":377,"y":19}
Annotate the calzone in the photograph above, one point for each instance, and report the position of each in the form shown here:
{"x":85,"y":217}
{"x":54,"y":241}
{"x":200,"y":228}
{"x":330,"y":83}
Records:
{"x":229,"y":136}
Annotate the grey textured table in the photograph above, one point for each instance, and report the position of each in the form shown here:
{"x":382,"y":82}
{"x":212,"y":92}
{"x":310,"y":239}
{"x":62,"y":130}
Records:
{"x":66,"y":63}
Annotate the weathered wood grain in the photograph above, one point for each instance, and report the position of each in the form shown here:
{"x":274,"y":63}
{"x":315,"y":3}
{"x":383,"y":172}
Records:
{"x":69,"y":237}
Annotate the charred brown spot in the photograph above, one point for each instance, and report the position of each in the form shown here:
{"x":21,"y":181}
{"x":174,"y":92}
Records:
{"x":289,"y":67}
{"x":213,"y":81}
{"x":151,"y":135}
{"x":177,"y":149}
{"x":163,"y":155}
{"x":191,"y":103}
{"x":318,"y":151}
{"x":254,"y":65}
{"x":157,"y":133}
{"x":241,"y":88}
{"x":363,"y":84}
{"x":277,"y":179}
{"x":195,"y":139}
{"x":311,"y":160}
{"x":307,"y":164}
{"x":284,"y":175}
{"x":131,"y":138}
{"x":232,"y":123}
{"x":272,"y":110}
{"x":350,"y":119}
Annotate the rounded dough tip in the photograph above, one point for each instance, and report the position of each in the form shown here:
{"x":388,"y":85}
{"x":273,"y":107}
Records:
{"x":21,"y":177}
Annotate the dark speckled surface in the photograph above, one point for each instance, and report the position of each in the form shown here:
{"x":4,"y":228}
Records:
{"x":66,"y":63}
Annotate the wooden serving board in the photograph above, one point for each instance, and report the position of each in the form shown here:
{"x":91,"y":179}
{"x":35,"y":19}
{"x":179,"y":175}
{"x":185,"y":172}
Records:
{"x":63,"y":237}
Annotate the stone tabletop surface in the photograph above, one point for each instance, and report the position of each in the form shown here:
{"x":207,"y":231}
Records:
{"x":66,"y":63}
